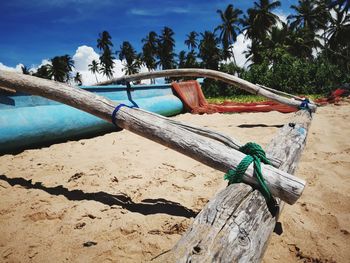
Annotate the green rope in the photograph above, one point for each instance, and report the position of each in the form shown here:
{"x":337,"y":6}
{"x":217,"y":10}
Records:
{"x":254,"y":153}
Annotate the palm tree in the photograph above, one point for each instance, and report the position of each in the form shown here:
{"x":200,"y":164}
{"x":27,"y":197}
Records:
{"x":338,"y":34}
{"x":128,"y":53}
{"x":149,"y":50}
{"x":191,"y":60}
{"x":310,"y":16}
{"x":166,"y":46}
{"x":104,"y":41}
{"x":254,"y":52}
{"x":345,"y":4}
{"x":57,"y":70}
{"x":229,"y":28}
{"x":209,"y":50}
{"x":68,"y":64}
{"x":260,"y":20}
{"x":191,"y":40}
{"x":60,"y":68}
{"x":43,"y":72}
{"x":338,"y":31}
{"x":94,"y":68}
{"x":182,"y":59}
{"x":257,"y":26}
{"x":78,"y":79}
{"x":107,"y":63}
{"x":134,"y":67}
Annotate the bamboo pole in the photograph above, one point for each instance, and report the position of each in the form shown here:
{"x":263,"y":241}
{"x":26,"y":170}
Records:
{"x":191,"y":72}
{"x":203,"y":149}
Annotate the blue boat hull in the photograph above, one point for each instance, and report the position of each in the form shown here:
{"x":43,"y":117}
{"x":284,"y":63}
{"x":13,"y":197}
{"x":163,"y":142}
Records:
{"x":26,"y":121}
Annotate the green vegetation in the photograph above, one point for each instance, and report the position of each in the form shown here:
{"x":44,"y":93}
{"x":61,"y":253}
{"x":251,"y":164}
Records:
{"x":253,"y":98}
{"x":237,"y":98}
{"x":310,"y":54}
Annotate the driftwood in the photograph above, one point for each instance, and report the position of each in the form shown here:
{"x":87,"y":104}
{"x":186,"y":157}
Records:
{"x":235,"y":226}
{"x":235,"y":81}
{"x":203,"y":149}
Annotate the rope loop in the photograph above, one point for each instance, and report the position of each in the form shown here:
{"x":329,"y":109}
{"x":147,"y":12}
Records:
{"x":116,"y":109}
{"x":304,"y":105}
{"x":254,"y":154}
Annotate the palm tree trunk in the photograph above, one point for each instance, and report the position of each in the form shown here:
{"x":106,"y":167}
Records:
{"x":96,"y":78}
{"x":233,"y":56}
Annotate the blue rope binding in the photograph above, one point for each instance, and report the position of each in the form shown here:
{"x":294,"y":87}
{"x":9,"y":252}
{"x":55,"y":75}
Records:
{"x":304,"y":104}
{"x":116,"y":109}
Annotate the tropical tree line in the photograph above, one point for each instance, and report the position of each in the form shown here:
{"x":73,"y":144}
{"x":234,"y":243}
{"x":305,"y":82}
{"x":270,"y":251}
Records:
{"x":60,"y":69}
{"x":310,"y":53}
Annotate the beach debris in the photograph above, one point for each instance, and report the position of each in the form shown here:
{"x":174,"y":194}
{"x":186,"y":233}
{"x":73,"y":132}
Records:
{"x":75,"y":177}
{"x":89,"y":243}
{"x":80,"y":225}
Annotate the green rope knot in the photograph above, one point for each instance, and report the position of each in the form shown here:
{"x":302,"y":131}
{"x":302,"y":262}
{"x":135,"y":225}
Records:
{"x":254,"y":154}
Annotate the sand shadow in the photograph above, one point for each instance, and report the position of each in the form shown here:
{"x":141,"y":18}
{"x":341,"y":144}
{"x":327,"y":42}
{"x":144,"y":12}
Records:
{"x":145,"y":207}
{"x":259,"y":125}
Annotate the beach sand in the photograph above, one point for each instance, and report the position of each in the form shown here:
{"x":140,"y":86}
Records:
{"x":122,"y":198}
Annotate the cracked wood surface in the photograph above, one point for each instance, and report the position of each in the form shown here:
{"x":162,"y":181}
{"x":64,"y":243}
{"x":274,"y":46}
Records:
{"x":235,"y":226}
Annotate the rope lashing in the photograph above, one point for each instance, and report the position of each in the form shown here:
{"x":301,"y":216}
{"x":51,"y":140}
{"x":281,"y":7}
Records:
{"x":116,"y":109}
{"x":254,"y":153}
{"x":304,"y":105}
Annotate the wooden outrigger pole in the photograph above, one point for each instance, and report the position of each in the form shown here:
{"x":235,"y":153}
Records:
{"x":206,"y":150}
{"x":208,"y":73}
{"x":236,"y":224}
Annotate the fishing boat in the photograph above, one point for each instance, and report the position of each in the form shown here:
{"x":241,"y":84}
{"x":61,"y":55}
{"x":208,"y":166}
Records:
{"x":27,"y":120}
{"x":238,"y":218}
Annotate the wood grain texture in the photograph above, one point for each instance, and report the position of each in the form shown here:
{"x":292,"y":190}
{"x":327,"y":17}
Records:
{"x":192,"y":72}
{"x":159,"y":129}
{"x":235,"y":226}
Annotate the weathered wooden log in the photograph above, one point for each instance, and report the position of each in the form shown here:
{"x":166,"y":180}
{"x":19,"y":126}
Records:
{"x":206,"y":150}
{"x":7,"y":90}
{"x":193,"y":72}
{"x":218,"y":136}
{"x":235,"y":226}
{"x":282,"y":93}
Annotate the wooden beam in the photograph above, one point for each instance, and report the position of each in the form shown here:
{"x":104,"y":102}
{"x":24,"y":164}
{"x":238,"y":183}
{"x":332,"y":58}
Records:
{"x":235,"y":226}
{"x":193,"y":72}
{"x":7,"y":90}
{"x":159,"y":129}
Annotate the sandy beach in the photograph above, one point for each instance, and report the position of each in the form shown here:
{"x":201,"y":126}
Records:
{"x":122,"y":198}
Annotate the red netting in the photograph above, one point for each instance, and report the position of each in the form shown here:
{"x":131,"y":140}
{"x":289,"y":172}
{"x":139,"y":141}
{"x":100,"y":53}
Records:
{"x":194,"y":101}
{"x":334,"y":97}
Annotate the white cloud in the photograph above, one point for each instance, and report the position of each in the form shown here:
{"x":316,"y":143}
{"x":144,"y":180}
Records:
{"x":241,"y":44}
{"x":282,"y":16}
{"x":84,"y":55}
{"x":18,"y":68}
{"x":239,"y":47}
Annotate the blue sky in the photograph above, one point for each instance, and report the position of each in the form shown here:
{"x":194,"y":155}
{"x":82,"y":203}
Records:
{"x":38,"y":29}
